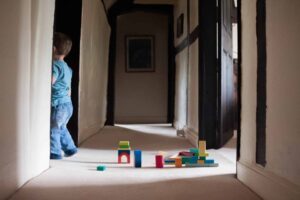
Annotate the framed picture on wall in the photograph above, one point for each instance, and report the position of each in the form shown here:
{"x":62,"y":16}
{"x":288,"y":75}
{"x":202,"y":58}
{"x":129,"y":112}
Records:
{"x":139,"y":53}
{"x":180,"y":21}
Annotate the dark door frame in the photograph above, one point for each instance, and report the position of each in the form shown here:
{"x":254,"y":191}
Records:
{"x":207,"y":72}
{"x":127,"y":6}
{"x":70,"y":24}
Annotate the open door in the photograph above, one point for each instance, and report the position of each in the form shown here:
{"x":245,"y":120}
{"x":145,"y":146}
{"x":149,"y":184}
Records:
{"x":225,"y":121}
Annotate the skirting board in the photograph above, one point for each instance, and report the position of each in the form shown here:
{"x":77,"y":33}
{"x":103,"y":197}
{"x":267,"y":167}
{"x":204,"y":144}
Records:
{"x":266,"y":184}
{"x":192,"y":136}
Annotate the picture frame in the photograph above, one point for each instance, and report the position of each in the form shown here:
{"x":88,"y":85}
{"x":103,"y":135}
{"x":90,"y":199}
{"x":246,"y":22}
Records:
{"x":180,"y":25}
{"x":140,"y":53}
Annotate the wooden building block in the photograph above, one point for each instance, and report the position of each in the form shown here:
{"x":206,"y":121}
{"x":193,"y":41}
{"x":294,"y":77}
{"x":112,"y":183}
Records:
{"x":194,"y":150}
{"x":202,"y":146}
{"x":210,"y":161}
{"x":185,"y":160}
{"x":201,"y":161}
{"x":159,"y":161}
{"x":137,"y":158}
{"x":178,"y":162}
{"x":122,"y":153}
{"x":203,"y":154}
{"x":193,"y":159}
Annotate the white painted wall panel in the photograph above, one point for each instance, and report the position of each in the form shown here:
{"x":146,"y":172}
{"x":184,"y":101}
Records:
{"x":249,"y":72}
{"x":94,"y":49}
{"x":283,"y":89}
{"x":25,"y":74}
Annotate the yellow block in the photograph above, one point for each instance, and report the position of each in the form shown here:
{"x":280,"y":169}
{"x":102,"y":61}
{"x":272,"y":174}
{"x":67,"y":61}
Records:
{"x":178,"y":162}
{"x":200,"y":161}
{"x":124,"y":143}
{"x":202,"y":146}
{"x":203,"y":154}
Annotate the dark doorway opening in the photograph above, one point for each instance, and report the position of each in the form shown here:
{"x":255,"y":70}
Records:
{"x":67,"y":19}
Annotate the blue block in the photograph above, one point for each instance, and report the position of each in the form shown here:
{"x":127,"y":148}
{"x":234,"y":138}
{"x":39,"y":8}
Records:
{"x":194,"y":160}
{"x":120,"y":151}
{"x":169,"y":161}
{"x":211,"y":161}
{"x":138,"y":158}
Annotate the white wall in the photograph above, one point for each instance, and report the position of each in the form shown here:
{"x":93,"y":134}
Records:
{"x":26,"y":54}
{"x":192,"y":120}
{"x":193,"y":81}
{"x":280,"y":178}
{"x":94,"y":49}
{"x":283,"y":88}
{"x":141,"y":97}
{"x":249,"y":71}
{"x":181,"y":62}
{"x":186,"y":92}
{"x":181,"y":80}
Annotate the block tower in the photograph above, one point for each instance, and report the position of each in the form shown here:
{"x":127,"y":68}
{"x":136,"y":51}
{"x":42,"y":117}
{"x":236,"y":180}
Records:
{"x":202,"y":155}
{"x":124,"y":150}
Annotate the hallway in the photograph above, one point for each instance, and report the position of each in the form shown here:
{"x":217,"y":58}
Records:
{"x":76,"y":177}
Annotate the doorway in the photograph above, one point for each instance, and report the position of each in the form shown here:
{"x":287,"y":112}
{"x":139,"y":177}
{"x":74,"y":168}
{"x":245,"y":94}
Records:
{"x":119,"y":9}
{"x":67,"y":19}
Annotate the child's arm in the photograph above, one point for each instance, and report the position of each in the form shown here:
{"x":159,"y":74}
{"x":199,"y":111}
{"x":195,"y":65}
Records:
{"x":53,"y":80}
{"x":55,"y":72}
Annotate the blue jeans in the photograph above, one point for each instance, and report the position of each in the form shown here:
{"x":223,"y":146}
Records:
{"x":60,"y":138}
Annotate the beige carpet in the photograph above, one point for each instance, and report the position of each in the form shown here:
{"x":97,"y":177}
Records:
{"x":76,"y":177}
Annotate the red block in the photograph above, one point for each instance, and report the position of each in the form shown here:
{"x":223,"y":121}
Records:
{"x":123,"y":154}
{"x":159,"y":160}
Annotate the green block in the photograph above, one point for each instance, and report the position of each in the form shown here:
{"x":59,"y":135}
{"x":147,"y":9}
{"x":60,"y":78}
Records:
{"x":124,"y":146}
{"x":185,"y":160}
{"x":101,"y":168}
{"x":202,"y":158}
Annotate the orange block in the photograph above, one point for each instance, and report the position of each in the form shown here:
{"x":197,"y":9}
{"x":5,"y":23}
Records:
{"x":200,"y":161}
{"x":178,"y":162}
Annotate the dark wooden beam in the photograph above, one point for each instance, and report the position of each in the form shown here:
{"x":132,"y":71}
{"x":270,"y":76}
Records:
{"x":261,"y":83}
{"x":239,"y":97}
